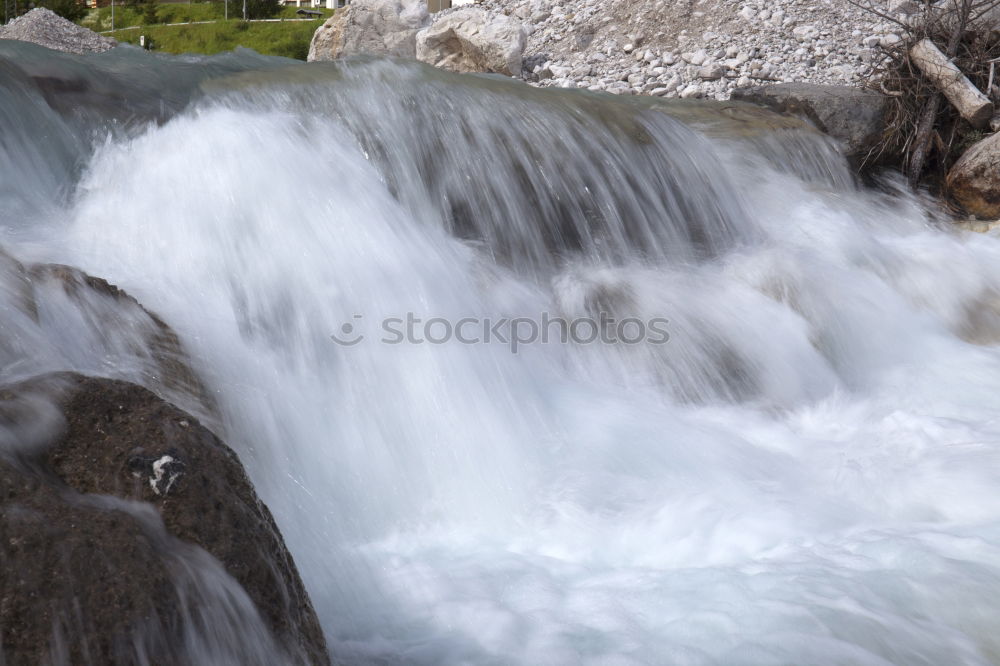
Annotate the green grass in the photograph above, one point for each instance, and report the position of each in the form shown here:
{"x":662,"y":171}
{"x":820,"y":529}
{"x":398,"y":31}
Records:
{"x":287,"y":39}
{"x":176,"y":12}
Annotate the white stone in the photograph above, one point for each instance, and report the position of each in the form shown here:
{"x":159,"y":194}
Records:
{"x":692,"y":90}
{"x":903,"y":7}
{"x":805,"y":33}
{"x":711,"y":72}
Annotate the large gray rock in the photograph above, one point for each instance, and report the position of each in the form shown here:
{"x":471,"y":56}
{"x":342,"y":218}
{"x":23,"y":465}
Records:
{"x":375,"y":27}
{"x":473,"y":40}
{"x":853,"y":116}
{"x":46,"y":28}
{"x":974,"y":180}
{"x":130,"y":534}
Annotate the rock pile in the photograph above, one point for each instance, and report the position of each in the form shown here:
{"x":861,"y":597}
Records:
{"x":703,"y":48}
{"x":45,"y":28}
{"x":696,"y":48}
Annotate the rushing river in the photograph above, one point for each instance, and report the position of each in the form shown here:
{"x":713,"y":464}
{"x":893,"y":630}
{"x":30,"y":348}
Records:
{"x":802,"y":470}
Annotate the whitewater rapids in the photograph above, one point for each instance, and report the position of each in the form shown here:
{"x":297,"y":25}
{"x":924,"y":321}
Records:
{"x":807,"y":472}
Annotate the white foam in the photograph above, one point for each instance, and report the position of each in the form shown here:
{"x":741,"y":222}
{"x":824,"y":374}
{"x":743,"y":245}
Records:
{"x":460,"y":504}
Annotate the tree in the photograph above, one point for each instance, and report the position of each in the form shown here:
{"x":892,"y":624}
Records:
{"x":149,"y":16}
{"x":262,"y":9}
{"x":70,"y":10}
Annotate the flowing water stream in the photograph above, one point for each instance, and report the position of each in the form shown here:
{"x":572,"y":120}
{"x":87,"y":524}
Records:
{"x":805,"y":472}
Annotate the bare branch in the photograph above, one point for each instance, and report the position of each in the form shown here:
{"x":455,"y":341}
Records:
{"x":867,"y":6}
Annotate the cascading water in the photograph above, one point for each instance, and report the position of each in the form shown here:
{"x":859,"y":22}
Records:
{"x":804,"y":473}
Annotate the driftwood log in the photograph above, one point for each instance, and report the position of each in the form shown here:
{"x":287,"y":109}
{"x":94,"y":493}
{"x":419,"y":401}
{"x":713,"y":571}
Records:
{"x":972,"y":104}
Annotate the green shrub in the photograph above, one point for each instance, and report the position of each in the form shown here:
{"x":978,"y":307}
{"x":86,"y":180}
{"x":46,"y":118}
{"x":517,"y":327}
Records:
{"x":149,"y":16}
{"x":292,"y":48}
{"x":261,"y":9}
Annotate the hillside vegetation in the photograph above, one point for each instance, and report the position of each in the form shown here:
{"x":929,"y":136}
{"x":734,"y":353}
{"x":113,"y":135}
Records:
{"x":286,"y":39}
{"x":289,"y":39}
{"x":134,"y":14}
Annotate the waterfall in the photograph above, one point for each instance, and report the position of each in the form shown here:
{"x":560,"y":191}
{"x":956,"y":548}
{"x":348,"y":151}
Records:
{"x":804,"y":472}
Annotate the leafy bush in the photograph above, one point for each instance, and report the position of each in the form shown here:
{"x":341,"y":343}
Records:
{"x":292,"y":48}
{"x":260,"y":9}
{"x":149,"y":15}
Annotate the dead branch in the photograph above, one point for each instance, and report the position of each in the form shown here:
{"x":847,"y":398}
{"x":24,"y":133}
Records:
{"x":971,"y":104}
{"x":917,"y":111}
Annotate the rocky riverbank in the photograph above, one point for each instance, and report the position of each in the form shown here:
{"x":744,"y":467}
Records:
{"x":679,"y":49}
{"x":695,"y":49}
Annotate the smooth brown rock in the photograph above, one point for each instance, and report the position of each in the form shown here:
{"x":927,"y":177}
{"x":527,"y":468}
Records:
{"x":78,"y":583}
{"x":974,"y":180}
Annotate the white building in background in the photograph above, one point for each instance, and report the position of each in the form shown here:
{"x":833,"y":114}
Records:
{"x":329,"y":4}
{"x":438,"y":5}
{"x":432,"y":5}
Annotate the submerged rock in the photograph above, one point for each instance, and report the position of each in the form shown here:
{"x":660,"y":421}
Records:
{"x":46,"y":28}
{"x":51,"y":298}
{"x":974,"y":181}
{"x":375,"y":27}
{"x":472,"y":40}
{"x":130,"y":531}
{"x":853,"y":116}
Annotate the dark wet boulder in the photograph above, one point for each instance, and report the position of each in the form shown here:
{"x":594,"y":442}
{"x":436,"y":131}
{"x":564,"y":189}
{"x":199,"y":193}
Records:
{"x":853,"y":116}
{"x":99,"y":302}
{"x":128,"y":531}
{"x":96,"y":580}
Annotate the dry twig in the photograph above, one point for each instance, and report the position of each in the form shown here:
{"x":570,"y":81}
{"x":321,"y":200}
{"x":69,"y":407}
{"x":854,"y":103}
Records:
{"x":966,"y":32}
